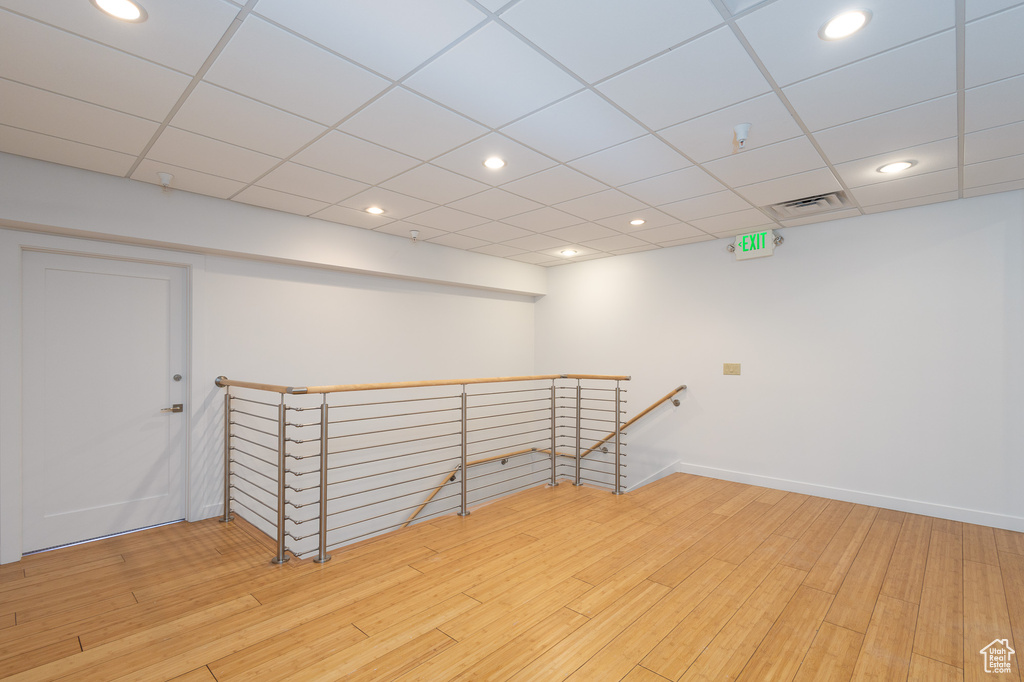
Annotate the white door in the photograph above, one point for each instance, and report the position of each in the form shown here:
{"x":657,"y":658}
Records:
{"x":103,"y":342}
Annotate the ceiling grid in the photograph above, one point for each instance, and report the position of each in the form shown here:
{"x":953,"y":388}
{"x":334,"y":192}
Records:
{"x":606,"y":113}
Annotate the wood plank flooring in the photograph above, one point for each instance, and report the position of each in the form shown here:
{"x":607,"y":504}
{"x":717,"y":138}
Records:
{"x":688,"y":578}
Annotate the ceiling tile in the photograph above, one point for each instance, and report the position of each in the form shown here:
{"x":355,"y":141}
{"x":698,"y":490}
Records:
{"x":706,"y":206}
{"x":357,"y":159}
{"x":400,"y":228}
{"x":1008,"y":169}
{"x":631,"y":161}
{"x":310,"y":183}
{"x":434,"y":184}
{"x":187,"y":180}
{"x":994,"y":143}
{"x":785,"y":33}
{"x":397,"y":121}
{"x":711,"y":136}
{"x":689,"y":240}
{"x":574,"y":127}
{"x":740,"y":220}
{"x":448,"y":219}
{"x":668,"y":233}
{"x":764,"y":163}
{"x":790,"y":187}
{"x":991,"y":189}
{"x":274,"y":66}
{"x":496,"y":232}
{"x":907,"y":188}
{"x":911,"y":203}
{"x":610,"y":202}
{"x":215,"y":112}
{"x":536,"y":242}
{"x":992,"y":48}
{"x":353,"y":217}
{"x":543,"y":220}
{"x":652,"y":217}
{"x":712,"y":72}
{"x":65,"y":152}
{"x":389,"y":36}
{"x":535,"y":259}
{"x":493,"y":77}
{"x":979,"y":8}
{"x":396,"y":206}
{"x":560,"y":183}
{"x":728,"y":234}
{"x":582,"y":233}
{"x":582,"y":252}
{"x":495,"y":204}
{"x":675,"y":186}
{"x":458,"y":241}
{"x":499,"y":250}
{"x":178,"y":34}
{"x":469,"y":160}
{"x":596,"y":38}
{"x":617,"y":243}
{"x":994,"y":105}
{"x":50,"y":59}
{"x":635,"y":249}
{"x":188,"y":150}
{"x":906,"y":127}
{"x":927,"y":158}
{"x":279,"y":201}
{"x":881,"y":83}
{"x":71,"y":119}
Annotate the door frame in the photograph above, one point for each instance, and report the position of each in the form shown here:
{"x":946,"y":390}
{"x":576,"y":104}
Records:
{"x":13,"y":244}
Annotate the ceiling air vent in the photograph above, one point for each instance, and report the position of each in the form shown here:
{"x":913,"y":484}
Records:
{"x":808,"y":206}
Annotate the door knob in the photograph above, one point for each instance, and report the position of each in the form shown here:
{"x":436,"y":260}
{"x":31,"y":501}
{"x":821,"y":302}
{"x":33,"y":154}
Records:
{"x":176,"y":407}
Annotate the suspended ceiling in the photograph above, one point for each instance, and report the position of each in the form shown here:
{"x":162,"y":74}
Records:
{"x":605,"y":111}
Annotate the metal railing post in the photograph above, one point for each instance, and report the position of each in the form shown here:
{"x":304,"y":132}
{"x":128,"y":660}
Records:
{"x":465,"y":453}
{"x":579,"y":428}
{"x":281,"y":557}
{"x":227,"y":456}
{"x":618,"y":444}
{"x":553,"y":482}
{"x":323,"y":556}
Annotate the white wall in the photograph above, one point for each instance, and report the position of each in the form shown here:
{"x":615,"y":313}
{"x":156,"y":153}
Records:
{"x":881,"y":357}
{"x":341,"y":304}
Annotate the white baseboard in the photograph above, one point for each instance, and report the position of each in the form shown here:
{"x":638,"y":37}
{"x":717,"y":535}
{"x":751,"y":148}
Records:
{"x":661,"y":473}
{"x":941,"y":511}
{"x":207,"y":512}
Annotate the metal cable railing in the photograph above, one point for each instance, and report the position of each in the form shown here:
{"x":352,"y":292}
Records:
{"x":422,"y":450}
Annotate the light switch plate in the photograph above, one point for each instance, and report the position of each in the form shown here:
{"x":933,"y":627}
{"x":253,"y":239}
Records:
{"x":732,"y":368}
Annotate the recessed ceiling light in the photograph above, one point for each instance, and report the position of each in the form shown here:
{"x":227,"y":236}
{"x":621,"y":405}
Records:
{"x":896,"y":167}
{"x":845,"y":24}
{"x":494,"y":163}
{"x":638,"y":221}
{"x":375,"y":210}
{"x":125,"y":10}
{"x":569,"y":252}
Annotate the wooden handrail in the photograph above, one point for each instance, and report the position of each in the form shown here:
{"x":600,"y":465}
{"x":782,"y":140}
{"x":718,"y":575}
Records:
{"x":448,"y":477}
{"x":668,"y":396}
{"x":343,"y":388}
{"x":223,"y":381}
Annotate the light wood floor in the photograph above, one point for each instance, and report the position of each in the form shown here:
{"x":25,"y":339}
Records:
{"x":688,"y":578}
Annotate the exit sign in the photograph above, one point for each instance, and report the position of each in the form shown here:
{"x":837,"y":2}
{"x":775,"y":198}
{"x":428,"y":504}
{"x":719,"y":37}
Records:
{"x":756,"y":245}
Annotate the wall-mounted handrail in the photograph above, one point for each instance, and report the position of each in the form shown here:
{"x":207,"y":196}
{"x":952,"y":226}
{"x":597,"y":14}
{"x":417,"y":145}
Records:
{"x":223,"y":381}
{"x":447,"y":479}
{"x":634,"y":420}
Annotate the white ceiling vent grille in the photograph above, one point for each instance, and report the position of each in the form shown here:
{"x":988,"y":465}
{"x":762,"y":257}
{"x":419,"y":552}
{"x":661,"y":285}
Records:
{"x":808,"y":206}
